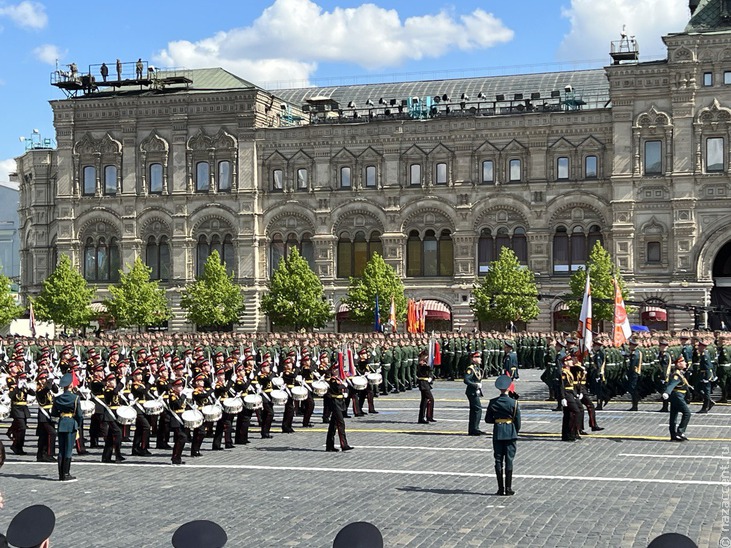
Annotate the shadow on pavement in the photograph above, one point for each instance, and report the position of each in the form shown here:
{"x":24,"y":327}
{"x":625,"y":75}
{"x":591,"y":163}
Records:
{"x":443,"y":491}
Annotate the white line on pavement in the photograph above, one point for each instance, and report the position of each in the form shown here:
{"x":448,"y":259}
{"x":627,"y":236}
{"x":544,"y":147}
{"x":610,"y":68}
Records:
{"x":694,"y":457}
{"x":695,"y":424}
{"x":394,"y":472}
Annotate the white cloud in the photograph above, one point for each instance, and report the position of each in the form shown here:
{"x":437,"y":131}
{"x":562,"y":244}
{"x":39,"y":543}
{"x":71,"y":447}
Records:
{"x":27,"y":14}
{"x":290,"y":37}
{"x":595,"y":24}
{"x":49,"y":53}
{"x":6,"y":167}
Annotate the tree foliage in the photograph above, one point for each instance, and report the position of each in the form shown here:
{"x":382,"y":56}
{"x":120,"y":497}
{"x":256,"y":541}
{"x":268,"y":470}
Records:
{"x":213,"y":300}
{"x":65,"y":298}
{"x":508,"y":291}
{"x":601,"y":271}
{"x":136,"y":300}
{"x":296,"y":295}
{"x":9,"y":309}
{"x":379,"y":278}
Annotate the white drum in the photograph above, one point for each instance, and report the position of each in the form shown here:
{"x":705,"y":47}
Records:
{"x":359,"y":382}
{"x":4,"y":412}
{"x":299,"y":393}
{"x":192,"y":418}
{"x":153,"y":407}
{"x":211,"y":413}
{"x":278,"y":382}
{"x":374,"y":378}
{"x":126,"y":415}
{"x":87,"y":408}
{"x":233,"y":406}
{"x":279,"y":397}
{"x":253,"y":401}
{"x":320,"y":388}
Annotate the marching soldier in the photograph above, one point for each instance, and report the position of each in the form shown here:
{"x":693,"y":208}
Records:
{"x":201,"y":396}
{"x":570,"y":425}
{"x":582,"y":397}
{"x":676,"y":391}
{"x":473,"y":380}
{"x":335,"y":398}
{"x":503,"y":413}
{"x":19,"y":412}
{"x":264,"y":380}
{"x":633,"y":373}
{"x":599,"y":359}
{"x":141,"y":441}
{"x":664,"y":362}
{"x":289,"y":376}
{"x":706,"y":375}
{"x":177,"y":402}
{"x":426,"y":406}
{"x":308,"y":405}
{"x":363,"y":367}
{"x":46,"y":429}
{"x":510,"y":366}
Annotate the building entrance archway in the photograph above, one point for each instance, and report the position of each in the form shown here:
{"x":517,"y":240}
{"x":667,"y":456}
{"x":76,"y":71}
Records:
{"x":720,"y":316}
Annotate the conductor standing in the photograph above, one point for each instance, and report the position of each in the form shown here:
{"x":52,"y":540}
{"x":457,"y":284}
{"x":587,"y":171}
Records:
{"x":504,"y":414}
{"x":66,"y":406}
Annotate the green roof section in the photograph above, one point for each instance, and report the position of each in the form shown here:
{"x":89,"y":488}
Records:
{"x":710,"y":16}
{"x":209,"y":79}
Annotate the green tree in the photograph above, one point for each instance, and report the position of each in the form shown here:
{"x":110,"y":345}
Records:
{"x":379,"y":278}
{"x":601,"y":271}
{"x":296,"y":296}
{"x":508,"y":291}
{"x":65,"y":298}
{"x":137,"y":301}
{"x":9,"y":310}
{"x":213,"y":300}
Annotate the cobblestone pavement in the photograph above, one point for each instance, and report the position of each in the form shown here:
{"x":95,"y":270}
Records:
{"x":422,"y":485}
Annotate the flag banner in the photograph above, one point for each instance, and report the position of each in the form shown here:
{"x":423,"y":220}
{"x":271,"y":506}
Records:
{"x":621,"y":328}
{"x":377,"y":318}
{"x":392,"y":315}
{"x":585,"y":333}
{"x":32,"y":321}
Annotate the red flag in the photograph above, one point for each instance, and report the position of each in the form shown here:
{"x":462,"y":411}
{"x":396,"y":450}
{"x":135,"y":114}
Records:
{"x":437,"y":353}
{"x":621,"y":327}
{"x":422,"y":317}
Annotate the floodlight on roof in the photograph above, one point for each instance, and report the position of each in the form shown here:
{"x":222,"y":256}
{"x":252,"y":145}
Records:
{"x":568,"y":89}
{"x":392,"y":102}
{"x":500,"y":97}
{"x":369,"y":103}
{"x":465,"y":97}
{"x":555,"y":93}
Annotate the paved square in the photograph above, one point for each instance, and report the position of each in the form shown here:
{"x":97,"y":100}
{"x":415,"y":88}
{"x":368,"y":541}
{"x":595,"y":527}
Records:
{"x":422,"y":485}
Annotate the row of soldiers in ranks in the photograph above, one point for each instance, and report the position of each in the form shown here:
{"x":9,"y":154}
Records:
{"x":111,"y":386}
{"x":642,"y":366}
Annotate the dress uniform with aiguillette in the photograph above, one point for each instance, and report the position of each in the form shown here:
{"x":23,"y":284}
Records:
{"x":503,"y":413}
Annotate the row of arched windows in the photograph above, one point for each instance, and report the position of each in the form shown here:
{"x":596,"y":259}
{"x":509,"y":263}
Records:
{"x":280,"y":249}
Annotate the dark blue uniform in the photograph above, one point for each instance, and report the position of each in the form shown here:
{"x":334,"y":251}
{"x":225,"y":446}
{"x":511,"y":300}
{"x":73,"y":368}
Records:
{"x":472,"y":378}
{"x":676,"y":390}
{"x":68,"y":408}
{"x":504,"y":414}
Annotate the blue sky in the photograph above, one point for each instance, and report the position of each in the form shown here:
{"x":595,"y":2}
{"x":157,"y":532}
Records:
{"x":283,"y":43}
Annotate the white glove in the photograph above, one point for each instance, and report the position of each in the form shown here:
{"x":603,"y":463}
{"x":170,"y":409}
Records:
{"x":564,"y":403}
{"x":578,"y":395}
{"x":704,"y":380}
{"x":665,"y":395}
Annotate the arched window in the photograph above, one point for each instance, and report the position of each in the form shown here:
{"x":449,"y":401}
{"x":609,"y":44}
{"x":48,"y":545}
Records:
{"x":89,"y":180}
{"x":228,"y":254}
{"x":514,"y":173}
{"x":488,"y":172}
{"x":101,"y":260}
{"x":578,"y":248}
{"x":520,"y":245}
{"x":440,"y":176}
{"x":308,"y":250}
{"x":370,"y":177}
{"x":157,"y":257}
{"x":595,"y":235}
{"x":485,"y":251}
{"x":202,"y":176}
{"x":224,"y":176}
{"x":502,"y":240}
{"x":201,"y":255}
{"x":345,"y":181}
{"x":354,"y":254}
{"x":276,"y":252}
{"x":155,"y":178}
{"x":110,"y":180}
{"x":430,"y":256}
{"x":561,"y":250}
{"x":208,"y":244}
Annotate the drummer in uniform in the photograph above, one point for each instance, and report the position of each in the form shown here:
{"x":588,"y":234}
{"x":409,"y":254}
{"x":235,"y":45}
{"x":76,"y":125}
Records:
{"x":335,"y":401}
{"x":46,"y":429}
{"x":113,"y":440}
{"x":288,"y":375}
{"x":177,"y":403}
{"x":264,"y":381}
{"x":19,"y":412}
{"x":221,"y":391}
{"x":139,"y":391}
{"x":363,"y":368}
{"x":308,"y":405}
{"x":161,"y":388}
{"x":201,"y":398}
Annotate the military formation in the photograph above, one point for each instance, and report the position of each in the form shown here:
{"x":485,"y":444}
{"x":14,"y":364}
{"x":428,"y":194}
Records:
{"x":160,"y":391}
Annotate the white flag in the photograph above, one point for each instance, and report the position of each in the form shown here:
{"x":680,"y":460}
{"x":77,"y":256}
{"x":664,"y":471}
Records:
{"x":585,"y":333}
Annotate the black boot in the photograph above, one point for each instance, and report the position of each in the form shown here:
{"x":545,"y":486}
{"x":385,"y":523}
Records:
{"x":67,"y":469}
{"x":509,"y":483}
{"x":500,"y":485}
{"x":673,"y":434}
{"x":60,"y":462}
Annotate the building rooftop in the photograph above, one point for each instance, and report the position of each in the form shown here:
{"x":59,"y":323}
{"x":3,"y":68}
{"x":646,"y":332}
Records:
{"x":710,"y":16}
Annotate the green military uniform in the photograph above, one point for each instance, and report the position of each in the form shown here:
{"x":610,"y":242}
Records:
{"x":503,"y":413}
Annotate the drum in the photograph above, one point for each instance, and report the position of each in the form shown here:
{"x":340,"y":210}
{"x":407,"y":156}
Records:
{"x":192,"y":418}
{"x":211,"y":413}
{"x":233,"y":406}
{"x":279,"y":397}
{"x":253,"y":401}
{"x":278,"y":382}
{"x":299,"y":393}
{"x":153,"y":407}
{"x":374,"y":378}
{"x":359,"y":382}
{"x":320,"y":388}
{"x":87,"y":408}
{"x":126,"y":415}
{"x":4,"y":412}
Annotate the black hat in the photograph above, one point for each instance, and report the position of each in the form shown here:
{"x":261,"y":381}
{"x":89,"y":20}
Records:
{"x":502,"y":382}
{"x":632,"y":341}
{"x":199,"y":534}
{"x":359,"y":534}
{"x":31,"y":526}
{"x":662,"y":342}
{"x":508,"y":342}
{"x":672,"y":540}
